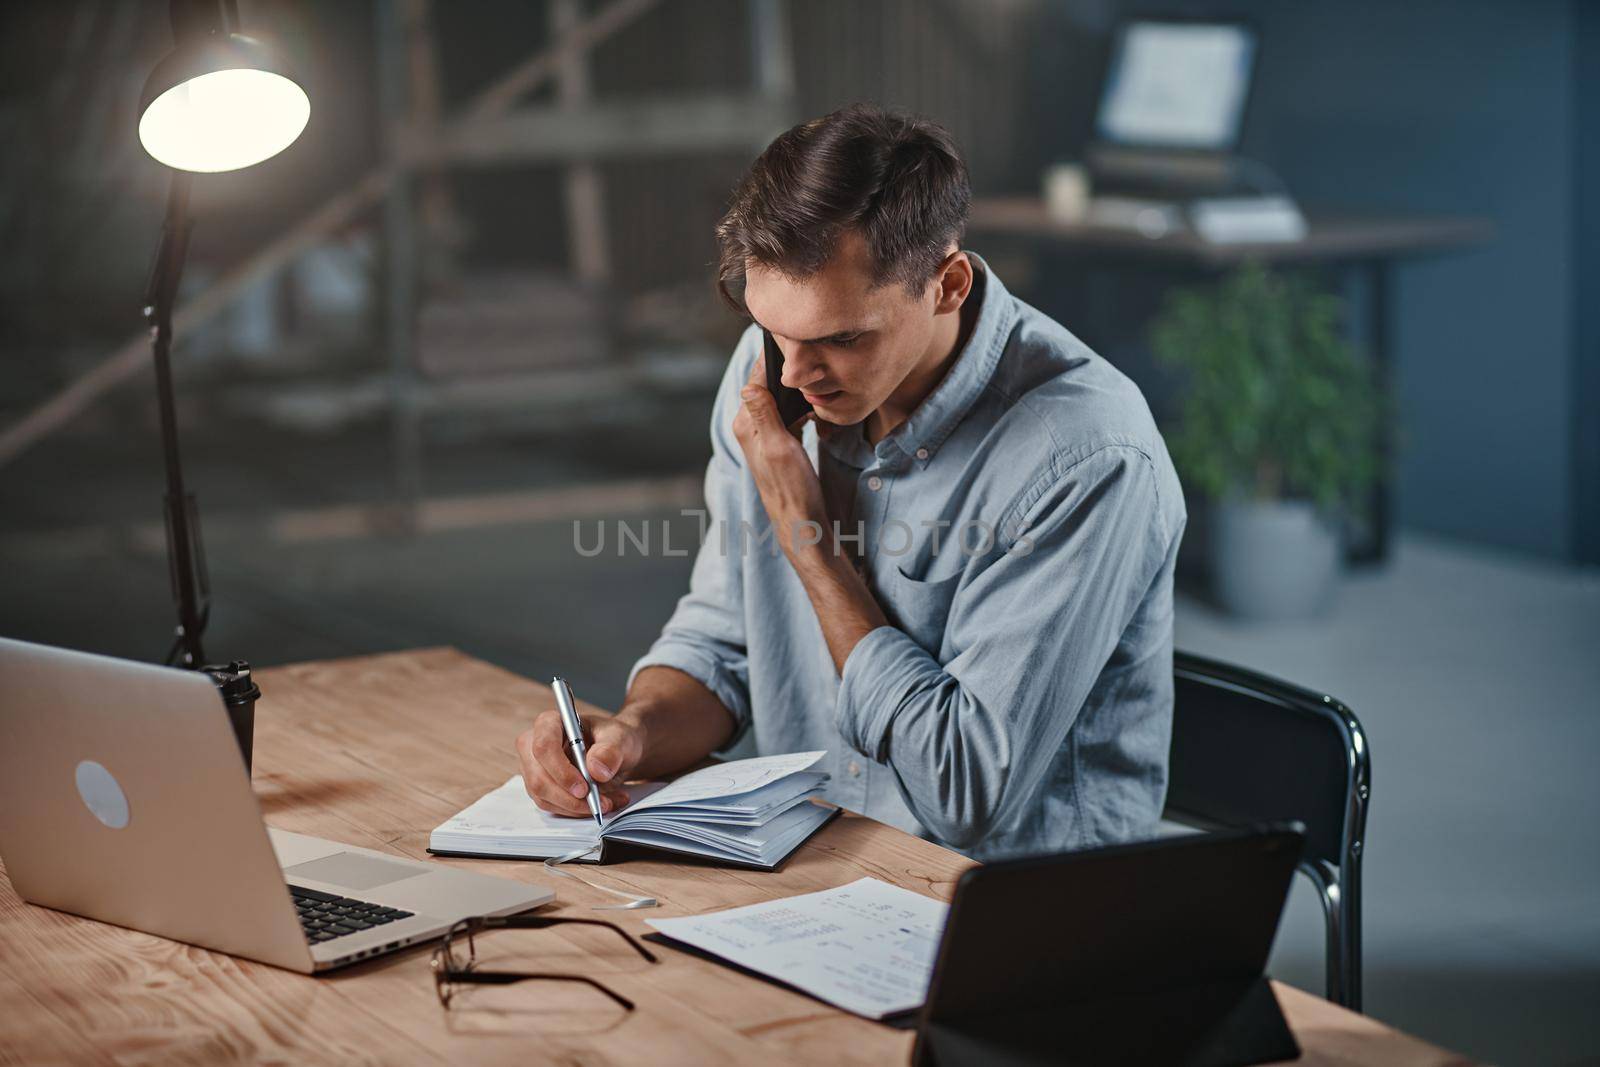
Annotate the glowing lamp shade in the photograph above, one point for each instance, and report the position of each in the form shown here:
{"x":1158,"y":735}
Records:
{"x":220,"y":104}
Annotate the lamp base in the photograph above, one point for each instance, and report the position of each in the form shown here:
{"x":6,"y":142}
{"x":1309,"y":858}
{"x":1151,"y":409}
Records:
{"x":239,"y":693}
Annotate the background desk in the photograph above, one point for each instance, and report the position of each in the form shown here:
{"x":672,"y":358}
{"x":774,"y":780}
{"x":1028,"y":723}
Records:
{"x":376,"y":752}
{"x":1369,"y":243}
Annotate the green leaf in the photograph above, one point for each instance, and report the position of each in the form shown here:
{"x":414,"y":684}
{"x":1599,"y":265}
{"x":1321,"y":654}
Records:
{"x":1274,"y":398}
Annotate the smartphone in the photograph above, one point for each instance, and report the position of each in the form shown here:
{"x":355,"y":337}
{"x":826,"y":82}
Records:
{"x":792,"y":406}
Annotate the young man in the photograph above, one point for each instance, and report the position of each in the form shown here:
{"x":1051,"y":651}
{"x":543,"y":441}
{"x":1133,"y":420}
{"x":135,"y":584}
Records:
{"x":956,"y":577}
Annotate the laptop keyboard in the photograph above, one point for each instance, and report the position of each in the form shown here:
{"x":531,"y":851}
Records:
{"x":325,"y":916}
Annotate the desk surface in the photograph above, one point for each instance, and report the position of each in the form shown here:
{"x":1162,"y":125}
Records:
{"x":377,"y":751}
{"x":1329,"y":237}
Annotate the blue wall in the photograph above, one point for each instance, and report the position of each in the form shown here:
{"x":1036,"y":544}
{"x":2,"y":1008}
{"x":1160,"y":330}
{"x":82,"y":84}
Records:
{"x":1586,"y":289}
{"x":1466,"y":108}
{"x":1455,"y":107}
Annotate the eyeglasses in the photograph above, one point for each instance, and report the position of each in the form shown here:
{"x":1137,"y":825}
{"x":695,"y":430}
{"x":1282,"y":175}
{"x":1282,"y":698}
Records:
{"x":450,"y":972}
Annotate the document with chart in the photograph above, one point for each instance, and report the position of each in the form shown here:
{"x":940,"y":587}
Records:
{"x":745,"y":813}
{"x":867,"y":947}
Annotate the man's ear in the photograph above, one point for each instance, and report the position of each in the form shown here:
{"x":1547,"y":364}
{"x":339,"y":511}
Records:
{"x":952,"y":283}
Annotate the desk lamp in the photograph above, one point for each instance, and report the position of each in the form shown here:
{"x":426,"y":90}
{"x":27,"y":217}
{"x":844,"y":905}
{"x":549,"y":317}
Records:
{"x":218,"y":101}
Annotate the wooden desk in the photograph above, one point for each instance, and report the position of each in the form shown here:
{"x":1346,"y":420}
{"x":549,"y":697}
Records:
{"x":377,"y":751}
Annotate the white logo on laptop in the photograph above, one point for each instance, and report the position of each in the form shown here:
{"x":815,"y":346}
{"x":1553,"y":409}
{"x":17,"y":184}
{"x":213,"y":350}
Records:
{"x":101,"y":794}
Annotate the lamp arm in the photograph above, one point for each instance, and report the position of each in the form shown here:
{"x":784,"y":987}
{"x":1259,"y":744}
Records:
{"x":186,"y":566}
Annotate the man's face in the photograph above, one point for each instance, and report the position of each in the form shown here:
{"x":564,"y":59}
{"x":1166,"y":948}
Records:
{"x":846,"y":345}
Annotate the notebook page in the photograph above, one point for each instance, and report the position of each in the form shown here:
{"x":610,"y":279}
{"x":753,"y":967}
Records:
{"x":774,"y":796}
{"x":726,"y":780}
{"x":509,"y":816}
{"x":867,"y":947}
{"x":764,"y":852}
{"x":746,"y":842}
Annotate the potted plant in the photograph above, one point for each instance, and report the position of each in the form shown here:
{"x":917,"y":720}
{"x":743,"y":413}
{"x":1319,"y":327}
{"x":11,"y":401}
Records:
{"x":1276,"y":427}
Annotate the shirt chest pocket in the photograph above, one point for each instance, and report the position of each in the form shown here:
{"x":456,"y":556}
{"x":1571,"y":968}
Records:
{"x":918,"y":606}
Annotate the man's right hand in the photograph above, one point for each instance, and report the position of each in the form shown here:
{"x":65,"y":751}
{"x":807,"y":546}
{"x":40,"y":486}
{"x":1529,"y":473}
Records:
{"x":614,"y":747}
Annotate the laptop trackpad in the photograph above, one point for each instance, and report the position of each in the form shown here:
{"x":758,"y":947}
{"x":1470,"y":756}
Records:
{"x":352,"y":870}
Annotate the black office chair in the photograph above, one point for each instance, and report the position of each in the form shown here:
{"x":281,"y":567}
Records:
{"x":1247,"y":748}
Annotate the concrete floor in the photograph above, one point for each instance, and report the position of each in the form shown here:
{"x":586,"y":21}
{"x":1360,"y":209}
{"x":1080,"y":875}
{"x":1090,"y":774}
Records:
{"x":1478,"y":682}
{"x":1476,"y":677}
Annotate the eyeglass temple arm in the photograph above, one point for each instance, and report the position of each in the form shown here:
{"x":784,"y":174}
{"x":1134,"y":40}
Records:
{"x":511,"y":978}
{"x":536,"y":921}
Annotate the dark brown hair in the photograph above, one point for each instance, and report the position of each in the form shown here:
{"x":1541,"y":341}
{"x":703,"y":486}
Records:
{"x":897,"y":179}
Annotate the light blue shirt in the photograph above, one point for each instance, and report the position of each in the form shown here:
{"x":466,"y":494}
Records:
{"x":1020,"y":531}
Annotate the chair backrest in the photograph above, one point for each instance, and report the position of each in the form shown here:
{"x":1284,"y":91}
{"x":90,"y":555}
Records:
{"x":1247,"y":748}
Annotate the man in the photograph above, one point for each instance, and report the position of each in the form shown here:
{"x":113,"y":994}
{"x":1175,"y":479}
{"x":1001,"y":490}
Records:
{"x":957,"y":576}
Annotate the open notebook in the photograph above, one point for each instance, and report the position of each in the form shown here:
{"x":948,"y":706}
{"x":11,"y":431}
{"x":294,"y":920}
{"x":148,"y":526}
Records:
{"x":746,"y":813}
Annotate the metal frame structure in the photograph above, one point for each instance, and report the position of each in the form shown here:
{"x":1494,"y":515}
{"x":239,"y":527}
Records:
{"x":1244,"y":776}
{"x":576,"y":132}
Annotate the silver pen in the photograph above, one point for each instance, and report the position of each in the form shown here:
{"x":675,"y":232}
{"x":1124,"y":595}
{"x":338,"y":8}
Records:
{"x":573,"y":728}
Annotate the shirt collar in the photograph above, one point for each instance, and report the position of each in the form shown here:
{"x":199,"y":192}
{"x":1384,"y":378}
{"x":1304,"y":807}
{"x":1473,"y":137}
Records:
{"x":920,"y":436}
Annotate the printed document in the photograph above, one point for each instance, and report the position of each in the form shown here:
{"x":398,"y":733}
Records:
{"x":867,"y":947}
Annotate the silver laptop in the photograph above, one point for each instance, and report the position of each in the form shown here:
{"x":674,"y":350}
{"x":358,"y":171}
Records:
{"x":124,"y":798}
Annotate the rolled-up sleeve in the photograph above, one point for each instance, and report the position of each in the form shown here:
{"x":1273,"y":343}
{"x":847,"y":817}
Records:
{"x":705,"y":637}
{"x":970,"y":740}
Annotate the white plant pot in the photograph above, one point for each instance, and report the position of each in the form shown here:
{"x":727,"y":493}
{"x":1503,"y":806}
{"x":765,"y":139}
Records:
{"x":1273,"y":559}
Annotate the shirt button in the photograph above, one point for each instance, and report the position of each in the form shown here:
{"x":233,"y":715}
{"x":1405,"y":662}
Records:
{"x":854,"y":768}
{"x":922,"y":453}
{"x":874,"y":483}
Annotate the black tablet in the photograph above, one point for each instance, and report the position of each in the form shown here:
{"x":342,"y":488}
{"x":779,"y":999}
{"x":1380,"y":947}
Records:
{"x":1144,"y":953}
